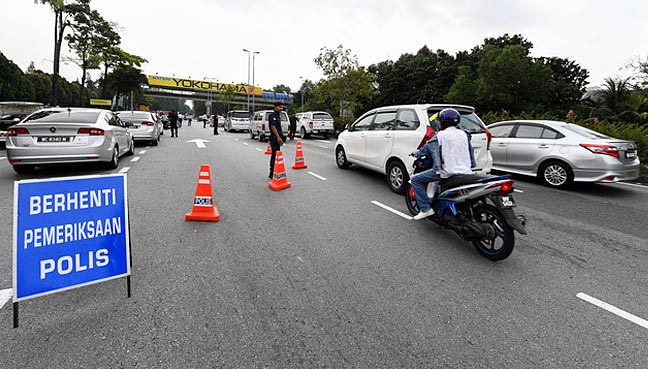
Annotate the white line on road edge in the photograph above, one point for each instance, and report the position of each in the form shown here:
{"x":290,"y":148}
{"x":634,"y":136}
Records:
{"x":135,"y":159}
{"x":142,"y":152}
{"x":124,"y":170}
{"x":632,"y":184}
{"x":316,"y":176}
{"x":614,"y":310}
{"x":324,"y":147}
{"x":392,"y":210}
{"x":322,"y":141}
{"x":259,"y":150}
{"x":5,"y":295}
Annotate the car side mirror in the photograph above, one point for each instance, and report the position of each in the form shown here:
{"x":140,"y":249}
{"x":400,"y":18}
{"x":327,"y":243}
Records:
{"x":348,"y":127}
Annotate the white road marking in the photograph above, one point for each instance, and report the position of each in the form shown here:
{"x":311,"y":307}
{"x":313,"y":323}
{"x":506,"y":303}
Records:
{"x":323,"y":141}
{"x":300,"y":259}
{"x":316,"y":176}
{"x":236,"y":139}
{"x":246,"y":144}
{"x":392,"y":210}
{"x":137,"y":158}
{"x":324,"y":147}
{"x":142,"y":152}
{"x":632,"y":184}
{"x":124,"y":169}
{"x":2,"y":157}
{"x":613,"y":309}
{"x":5,"y":295}
{"x":259,"y":150}
{"x":199,"y":143}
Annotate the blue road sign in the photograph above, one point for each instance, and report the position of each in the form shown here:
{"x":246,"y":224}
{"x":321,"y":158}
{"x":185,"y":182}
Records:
{"x":69,"y":232}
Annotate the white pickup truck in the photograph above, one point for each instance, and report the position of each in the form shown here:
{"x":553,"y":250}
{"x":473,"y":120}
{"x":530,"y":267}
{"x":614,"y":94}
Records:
{"x":12,"y":112}
{"x":315,"y":122}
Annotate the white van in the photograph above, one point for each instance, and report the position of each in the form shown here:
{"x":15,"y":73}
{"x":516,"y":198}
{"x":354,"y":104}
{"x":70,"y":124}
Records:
{"x":237,"y":120}
{"x":315,"y":122}
{"x":260,"y":128}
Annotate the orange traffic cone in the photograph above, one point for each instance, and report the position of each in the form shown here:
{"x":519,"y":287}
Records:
{"x":279,"y":179}
{"x":203,"y":206}
{"x":299,"y":158}
{"x":269,"y":149}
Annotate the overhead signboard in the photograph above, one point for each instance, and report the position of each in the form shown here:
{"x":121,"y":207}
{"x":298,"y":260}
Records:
{"x":107,"y":102}
{"x":197,"y":85}
{"x":69,"y":232}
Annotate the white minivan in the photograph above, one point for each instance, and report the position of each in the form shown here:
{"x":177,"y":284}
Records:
{"x":237,"y":120}
{"x":382,"y":139}
{"x":260,"y":128}
{"x":315,"y":122}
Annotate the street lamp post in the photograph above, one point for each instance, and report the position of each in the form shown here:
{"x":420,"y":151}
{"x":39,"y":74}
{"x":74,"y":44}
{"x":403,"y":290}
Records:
{"x":248,"y":80}
{"x":301,"y":90}
{"x":253,"y":54}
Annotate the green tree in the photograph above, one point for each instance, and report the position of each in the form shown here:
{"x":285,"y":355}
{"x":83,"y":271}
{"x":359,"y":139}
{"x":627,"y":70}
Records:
{"x":125,"y":79}
{"x":14,"y":85}
{"x":464,"y":89}
{"x":281,"y":89}
{"x":568,"y":80}
{"x":616,"y":93}
{"x":42,"y":83}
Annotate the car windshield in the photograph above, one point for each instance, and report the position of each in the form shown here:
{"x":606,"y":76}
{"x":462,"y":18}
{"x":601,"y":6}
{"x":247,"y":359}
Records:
{"x":322,"y":116}
{"x":588,"y":133}
{"x":240,"y":114}
{"x":63,"y":116}
{"x":133,"y":115}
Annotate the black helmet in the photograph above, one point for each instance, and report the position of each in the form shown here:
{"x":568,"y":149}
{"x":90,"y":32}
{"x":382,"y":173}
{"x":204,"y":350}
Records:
{"x":449,"y":117}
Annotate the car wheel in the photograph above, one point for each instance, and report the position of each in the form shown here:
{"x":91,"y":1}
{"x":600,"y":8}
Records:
{"x":326,"y":136}
{"x":302,"y":133}
{"x":23,"y":169}
{"x":397,"y":176}
{"x":114,"y":161}
{"x":261,"y":137}
{"x":154,"y":142}
{"x":556,"y":174}
{"x":131,"y":150}
{"x":251,"y":135}
{"x":340,"y":158}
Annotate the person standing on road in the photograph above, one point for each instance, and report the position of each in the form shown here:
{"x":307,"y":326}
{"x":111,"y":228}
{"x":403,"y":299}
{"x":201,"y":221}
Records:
{"x":173,"y":121}
{"x":216,"y":124}
{"x":276,"y":135}
{"x":293,"y":126}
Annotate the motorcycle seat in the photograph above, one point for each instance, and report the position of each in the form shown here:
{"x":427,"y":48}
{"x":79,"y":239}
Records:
{"x":459,"y":180}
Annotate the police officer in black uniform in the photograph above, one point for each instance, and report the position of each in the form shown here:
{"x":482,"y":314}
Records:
{"x":276,"y":135}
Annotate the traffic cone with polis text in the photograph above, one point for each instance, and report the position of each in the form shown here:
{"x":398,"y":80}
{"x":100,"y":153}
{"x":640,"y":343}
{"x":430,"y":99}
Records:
{"x":299,"y":158}
{"x":203,"y":206}
{"x":269,"y":149}
{"x":279,"y":179}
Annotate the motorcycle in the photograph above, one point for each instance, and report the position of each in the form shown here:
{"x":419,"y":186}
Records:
{"x":479,"y":209}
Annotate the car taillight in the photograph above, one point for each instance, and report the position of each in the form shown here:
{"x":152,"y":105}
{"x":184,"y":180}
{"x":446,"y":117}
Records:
{"x":602,"y":149}
{"x":263,"y":127}
{"x":428,"y":136}
{"x":146,"y":123}
{"x":489,"y":137}
{"x":17,"y":131}
{"x":505,"y":187}
{"x":91,"y":131}
{"x":310,"y":124}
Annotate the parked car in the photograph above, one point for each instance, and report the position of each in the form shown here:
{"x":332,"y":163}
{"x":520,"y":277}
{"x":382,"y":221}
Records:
{"x":142,"y":125}
{"x":12,"y":112}
{"x":383,"y":138}
{"x":68,"y":135}
{"x":315,"y":122}
{"x":260,"y":128}
{"x":237,"y":120}
{"x":559,"y":153}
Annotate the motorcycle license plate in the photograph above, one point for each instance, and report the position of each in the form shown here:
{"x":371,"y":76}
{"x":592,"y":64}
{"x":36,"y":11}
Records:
{"x":507,"y":201}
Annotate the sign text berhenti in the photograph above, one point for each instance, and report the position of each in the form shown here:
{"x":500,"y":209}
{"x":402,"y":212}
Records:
{"x":69,"y":232}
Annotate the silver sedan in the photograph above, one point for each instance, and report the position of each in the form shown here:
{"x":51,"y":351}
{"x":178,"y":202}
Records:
{"x":559,"y":153}
{"x":142,"y":125}
{"x":68,"y":135}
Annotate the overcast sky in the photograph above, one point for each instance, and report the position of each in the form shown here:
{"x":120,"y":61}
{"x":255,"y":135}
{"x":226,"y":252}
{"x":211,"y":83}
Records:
{"x":205,"y":38}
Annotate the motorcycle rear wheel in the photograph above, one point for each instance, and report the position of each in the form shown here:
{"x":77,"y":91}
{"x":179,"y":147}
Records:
{"x":410,"y":201}
{"x":501,"y":246}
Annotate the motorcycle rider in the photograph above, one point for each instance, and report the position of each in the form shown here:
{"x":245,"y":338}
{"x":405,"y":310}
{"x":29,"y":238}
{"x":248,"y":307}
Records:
{"x":451,"y":153}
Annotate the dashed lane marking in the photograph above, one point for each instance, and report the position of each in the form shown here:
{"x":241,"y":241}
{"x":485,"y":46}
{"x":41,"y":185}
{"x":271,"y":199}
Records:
{"x":2,"y":157}
{"x":614,"y":310}
{"x":392,"y":210}
{"x":632,"y":184}
{"x":124,"y":169}
{"x":236,"y":139}
{"x":142,"y":152}
{"x":257,"y":149}
{"x":300,"y":259}
{"x":246,"y":144}
{"x":5,"y":295}
{"x":324,"y":147}
{"x":317,"y":176}
{"x":137,"y":158}
{"x":324,"y":141}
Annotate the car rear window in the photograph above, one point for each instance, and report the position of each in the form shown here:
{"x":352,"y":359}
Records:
{"x":63,"y":116}
{"x":240,"y":114}
{"x":588,"y":133}
{"x":134,"y":115}
{"x":470,"y":122}
{"x":322,"y":116}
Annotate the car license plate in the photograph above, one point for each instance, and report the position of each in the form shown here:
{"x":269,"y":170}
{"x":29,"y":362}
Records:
{"x":507,"y":201}
{"x":53,"y":139}
{"x":631,"y":154}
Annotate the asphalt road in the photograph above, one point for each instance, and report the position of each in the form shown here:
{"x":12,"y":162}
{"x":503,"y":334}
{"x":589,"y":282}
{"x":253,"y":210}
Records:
{"x":317,"y":276}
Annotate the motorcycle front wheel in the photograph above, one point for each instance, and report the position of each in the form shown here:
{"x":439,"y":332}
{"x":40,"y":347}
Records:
{"x":501,"y":245}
